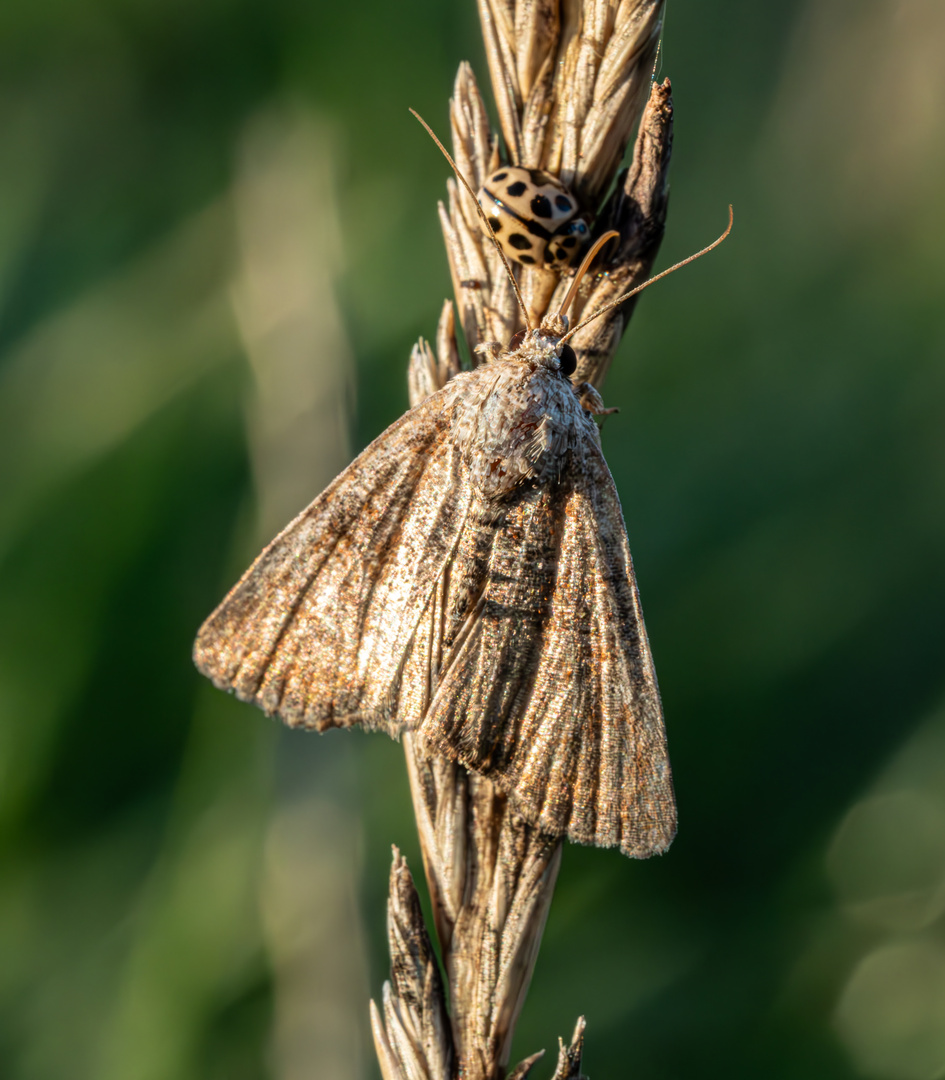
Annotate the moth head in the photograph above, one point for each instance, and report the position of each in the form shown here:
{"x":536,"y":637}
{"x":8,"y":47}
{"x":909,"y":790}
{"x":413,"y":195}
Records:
{"x":542,"y":345}
{"x":552,"y":351}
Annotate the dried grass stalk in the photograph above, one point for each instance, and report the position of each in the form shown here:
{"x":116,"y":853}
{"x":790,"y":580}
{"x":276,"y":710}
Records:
{"x":491,"y":880}
{"x":569,"y":80}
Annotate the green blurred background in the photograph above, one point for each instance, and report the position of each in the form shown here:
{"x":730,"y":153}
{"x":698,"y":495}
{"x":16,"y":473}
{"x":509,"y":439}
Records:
{"x":217,"y":221}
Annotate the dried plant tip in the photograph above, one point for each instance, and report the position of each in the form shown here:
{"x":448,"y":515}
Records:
{"x":570,"y":84}
{"x":524,"y":1068}
{"x":637,"y":209}
{"x":415,"y":1038}
{"x":447,"y":349}
{"x":569,"y":1057}
{"x":422,"y":374}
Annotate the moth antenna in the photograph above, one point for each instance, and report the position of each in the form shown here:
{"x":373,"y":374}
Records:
{"x":462,"y":179}
{"x":655,"y":278}
{"x":583,"y":269}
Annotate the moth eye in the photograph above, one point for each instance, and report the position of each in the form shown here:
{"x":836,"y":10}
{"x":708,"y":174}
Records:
{"x":567,"y":360}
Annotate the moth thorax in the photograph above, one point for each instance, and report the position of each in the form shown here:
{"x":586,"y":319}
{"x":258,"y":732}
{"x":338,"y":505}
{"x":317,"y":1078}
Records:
{"x":532,"y":215}
{"x":515,"y":424}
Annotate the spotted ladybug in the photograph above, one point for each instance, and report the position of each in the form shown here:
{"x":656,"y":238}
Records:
{"x":532,"y":216}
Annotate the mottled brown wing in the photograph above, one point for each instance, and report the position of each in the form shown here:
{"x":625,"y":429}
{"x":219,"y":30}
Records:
{"x":551,"y":690}
{"x":322,"y":629}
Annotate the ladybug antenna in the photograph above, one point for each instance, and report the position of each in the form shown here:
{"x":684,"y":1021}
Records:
{"x":462,"y":179}
{"x":583,"y":269}
{"x":650,"y":281}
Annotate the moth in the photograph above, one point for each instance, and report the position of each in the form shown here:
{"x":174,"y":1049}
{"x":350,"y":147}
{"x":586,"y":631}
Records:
{"x":468,"y":578}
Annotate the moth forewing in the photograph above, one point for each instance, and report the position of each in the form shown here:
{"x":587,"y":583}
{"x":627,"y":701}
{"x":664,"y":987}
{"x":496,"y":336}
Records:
{"x":320,"y":628}
{"x":554,"y":695}
{"x":635,"y":770}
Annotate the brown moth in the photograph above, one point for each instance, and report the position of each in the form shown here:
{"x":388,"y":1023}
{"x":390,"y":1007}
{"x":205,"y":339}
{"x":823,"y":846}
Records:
{"x":468,"y":578}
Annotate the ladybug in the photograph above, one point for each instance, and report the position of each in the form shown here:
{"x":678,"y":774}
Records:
{"x":532,"y":216}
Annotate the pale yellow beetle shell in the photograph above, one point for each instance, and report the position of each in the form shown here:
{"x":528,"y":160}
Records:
{"x":533,"y":217}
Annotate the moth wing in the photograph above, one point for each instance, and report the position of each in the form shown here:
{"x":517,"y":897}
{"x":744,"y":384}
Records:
{"x":552,"y":693}
{"x":322,"y":628}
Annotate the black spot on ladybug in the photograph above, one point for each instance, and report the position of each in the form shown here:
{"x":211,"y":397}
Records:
{"x":499,"y":176}
{"x":568,"y":242}
{"x":537,"y":230}
{"x":563,"y":202}
{"x":561,"y":254}
{"x":519,"y":242}
{"x":541,"y":207}
{"x":539,"y":178}
{"x":515,"y":189}
{"x":495,"y":223}
{"x":527,"y":260}
{"x":567,"y":360}
{"x":548,"y":256}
